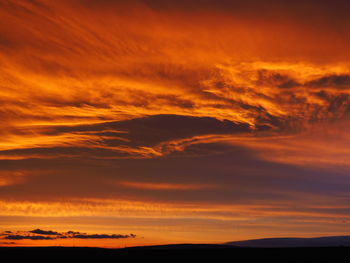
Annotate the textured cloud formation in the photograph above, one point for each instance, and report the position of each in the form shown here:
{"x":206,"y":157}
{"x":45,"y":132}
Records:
{"x":232,"y":111}
{"x":72,"y":71}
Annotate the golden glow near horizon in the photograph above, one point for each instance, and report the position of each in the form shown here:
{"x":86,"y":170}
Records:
{"x":209,"y":120}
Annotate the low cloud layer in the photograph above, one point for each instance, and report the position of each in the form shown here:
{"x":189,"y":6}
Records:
{"x":39,"y":234}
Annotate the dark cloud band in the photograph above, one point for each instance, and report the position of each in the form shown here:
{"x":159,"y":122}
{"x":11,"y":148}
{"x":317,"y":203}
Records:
{"x":39,"y":234}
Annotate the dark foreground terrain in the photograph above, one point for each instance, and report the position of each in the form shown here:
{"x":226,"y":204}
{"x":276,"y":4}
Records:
{"x":220,"y":253}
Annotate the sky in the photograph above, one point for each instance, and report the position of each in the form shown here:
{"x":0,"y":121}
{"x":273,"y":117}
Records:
{"x":144,"y":122}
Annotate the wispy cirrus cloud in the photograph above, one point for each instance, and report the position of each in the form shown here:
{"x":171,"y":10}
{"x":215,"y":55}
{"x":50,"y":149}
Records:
{"x":86,"y":86}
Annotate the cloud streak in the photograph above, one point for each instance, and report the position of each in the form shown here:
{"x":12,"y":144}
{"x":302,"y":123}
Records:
{"x":39,"y":234}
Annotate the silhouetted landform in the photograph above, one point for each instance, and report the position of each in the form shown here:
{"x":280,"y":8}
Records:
{"x":178,"y":252}
{"x":332,"y":241}
{"x":181,"y":247}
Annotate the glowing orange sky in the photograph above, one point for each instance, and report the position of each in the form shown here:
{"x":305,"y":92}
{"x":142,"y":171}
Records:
{"x":177,"y":121}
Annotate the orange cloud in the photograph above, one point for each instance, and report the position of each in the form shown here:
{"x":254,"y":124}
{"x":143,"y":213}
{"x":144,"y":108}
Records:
{"x":244,"y":94}
{"x":140,"y":209}
{"x":12,"y":177}
{"x":165,"y":186}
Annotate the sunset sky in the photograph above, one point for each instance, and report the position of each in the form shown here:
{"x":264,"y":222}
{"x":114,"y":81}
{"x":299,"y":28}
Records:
{"x":136,"y":122}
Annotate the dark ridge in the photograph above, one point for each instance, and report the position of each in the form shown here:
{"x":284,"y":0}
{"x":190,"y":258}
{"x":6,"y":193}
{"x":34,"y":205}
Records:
{"x":181,"y":247}
{"x":178,"y":252}
{"x":332,"y":241}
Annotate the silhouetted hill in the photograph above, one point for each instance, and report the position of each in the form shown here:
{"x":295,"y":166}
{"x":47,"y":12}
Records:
{"x":182,"y":247}
{"x":332,"y":241}
{"x":183,"y":252}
